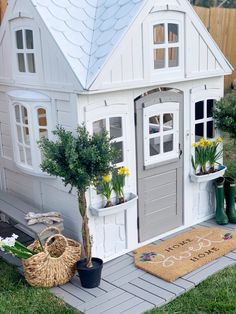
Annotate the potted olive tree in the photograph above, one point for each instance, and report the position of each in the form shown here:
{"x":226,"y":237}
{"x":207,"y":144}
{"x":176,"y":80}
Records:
{"x":79,"y":160}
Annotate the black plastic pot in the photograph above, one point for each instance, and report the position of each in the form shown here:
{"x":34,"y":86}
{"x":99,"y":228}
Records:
{"x":90,"y":277}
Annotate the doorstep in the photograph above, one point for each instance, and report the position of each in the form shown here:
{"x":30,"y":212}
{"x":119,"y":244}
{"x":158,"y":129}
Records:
{"x":129,"y":290}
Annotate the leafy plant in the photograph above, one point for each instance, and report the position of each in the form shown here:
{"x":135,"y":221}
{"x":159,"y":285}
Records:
{"x":15,"y":248}
{"x":225,"y":114}
{"x":207,"y":153}
{"x":104,"y":187}
{"x":118,"y":183}
{"x":78,"y":159}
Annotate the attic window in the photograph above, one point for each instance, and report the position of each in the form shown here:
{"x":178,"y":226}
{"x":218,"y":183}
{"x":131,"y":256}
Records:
{"x":25,"y":50}
{"x":166,"y":45}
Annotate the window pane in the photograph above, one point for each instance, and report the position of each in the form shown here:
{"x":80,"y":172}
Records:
{"x":24,"y":115}
{"x":99,"y":126}
{"x":154,"y":146}
{"x":43,"y":133}
{"x":42,"y":117}
{"x":28,"y":156}
{"x":26,"y":136}
{"x":168,"y":143}
{"x":173,"y":33}
{"x":21,"y":152}
{"x":159,"y":58}
{"x":199,"y":110}
{"x":210,"y":105}
{"x":115,"y":127}
{"x":173,"y":57}
{"x":118,"y":146}
{"x":19,"y":39}
{"x":19,"y":134}
{"x":30,"y":61}
{"x":159,"y":34}
{"x":154,"y":124}
{"x":29,"y":39}
{"x":167,"y":122}
{"x":21,"y":62}
{"x":199,"y":131}
{"x":210,"y":129}
{"x":17,"y":113}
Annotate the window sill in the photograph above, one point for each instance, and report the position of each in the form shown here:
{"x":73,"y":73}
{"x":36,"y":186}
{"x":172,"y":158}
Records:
{"x":34,"y":173}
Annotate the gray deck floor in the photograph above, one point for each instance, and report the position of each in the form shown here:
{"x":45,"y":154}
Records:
{"x":126,"y":289}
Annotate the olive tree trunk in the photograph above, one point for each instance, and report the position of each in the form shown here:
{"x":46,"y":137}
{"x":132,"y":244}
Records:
{"x":85,"y":228}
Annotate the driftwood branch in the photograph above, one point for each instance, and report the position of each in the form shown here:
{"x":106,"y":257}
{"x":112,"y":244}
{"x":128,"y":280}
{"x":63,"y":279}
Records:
{"x":46,"y":218}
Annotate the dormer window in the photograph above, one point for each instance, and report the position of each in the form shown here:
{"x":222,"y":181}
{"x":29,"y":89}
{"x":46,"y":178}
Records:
{"x":25,"y":50}
{"x":166,"y":45}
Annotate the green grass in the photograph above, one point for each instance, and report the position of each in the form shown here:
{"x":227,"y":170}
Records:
{"x":216,"y":295}
{"x":17,"y":297}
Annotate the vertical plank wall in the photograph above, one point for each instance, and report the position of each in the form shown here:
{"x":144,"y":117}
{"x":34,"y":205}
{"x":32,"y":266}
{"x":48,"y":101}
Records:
{"x":221,"y":23}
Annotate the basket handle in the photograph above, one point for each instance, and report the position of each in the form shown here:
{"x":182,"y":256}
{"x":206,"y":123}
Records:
{"x":53,"y":237}
{"x":55,"y":229}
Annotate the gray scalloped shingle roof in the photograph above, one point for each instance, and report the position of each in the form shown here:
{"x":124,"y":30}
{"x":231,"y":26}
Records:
{"x":87,"y":30}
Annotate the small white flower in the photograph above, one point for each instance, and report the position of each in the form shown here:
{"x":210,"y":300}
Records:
{"x":15,"y":236}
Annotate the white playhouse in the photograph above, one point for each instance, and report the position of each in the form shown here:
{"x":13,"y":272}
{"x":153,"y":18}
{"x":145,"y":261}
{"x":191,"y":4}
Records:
{"x":147,"y":71}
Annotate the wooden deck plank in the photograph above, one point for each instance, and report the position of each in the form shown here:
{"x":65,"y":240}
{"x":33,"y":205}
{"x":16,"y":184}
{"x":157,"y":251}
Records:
{"x":115,"y":261}
{"x":222,"y":263}
{"x":171,"y":287}
{"x":96,"y":292}
{"x":120,"y":273}
{"x":106,"y":286}
{"x":101,"y":300}
{"x":149,"y":287}
{"x":10,"y":259}
{"x":231,"y":255}
{"x":210,"y":224}
{"x":146,"y":296}
{"x":139,"y":308}
{"x":124,"y":306}
{"x":183,"y":283}
{"x":118,"y":266}
{"x":114,"y":302}
{"x":85,"y":296}
{"x":73,"y":301}
{"x":127,"y":278}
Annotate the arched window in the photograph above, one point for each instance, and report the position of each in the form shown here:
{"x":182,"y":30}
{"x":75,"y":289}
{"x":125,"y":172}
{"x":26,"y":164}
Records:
{"x":31,"y":120}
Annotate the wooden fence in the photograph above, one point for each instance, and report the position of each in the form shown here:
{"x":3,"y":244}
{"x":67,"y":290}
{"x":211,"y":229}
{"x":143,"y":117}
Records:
{"x":221,"y":23}
{"x":3,"y":5}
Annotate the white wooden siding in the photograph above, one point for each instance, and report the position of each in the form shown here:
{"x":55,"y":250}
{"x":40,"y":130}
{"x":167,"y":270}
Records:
{"x":5,"y":130}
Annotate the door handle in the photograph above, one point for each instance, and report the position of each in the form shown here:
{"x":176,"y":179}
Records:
{"x":180,"y":151}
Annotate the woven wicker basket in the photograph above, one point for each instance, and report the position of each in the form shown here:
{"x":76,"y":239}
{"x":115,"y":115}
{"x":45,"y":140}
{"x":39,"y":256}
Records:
{"x":54,"y":266}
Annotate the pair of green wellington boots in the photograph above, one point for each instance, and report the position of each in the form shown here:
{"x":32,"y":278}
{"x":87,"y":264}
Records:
{"x":225,"y":188}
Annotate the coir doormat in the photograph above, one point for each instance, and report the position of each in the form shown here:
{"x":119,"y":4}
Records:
{"x":182,"y":254}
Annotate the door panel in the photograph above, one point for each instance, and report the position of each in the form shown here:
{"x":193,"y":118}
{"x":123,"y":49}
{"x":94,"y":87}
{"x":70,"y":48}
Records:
{"x":159,"y":138}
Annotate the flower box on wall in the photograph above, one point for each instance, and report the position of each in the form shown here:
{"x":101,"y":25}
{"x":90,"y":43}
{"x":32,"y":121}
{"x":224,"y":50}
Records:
{"x":130,"y":199}
{"x":210,"y":176}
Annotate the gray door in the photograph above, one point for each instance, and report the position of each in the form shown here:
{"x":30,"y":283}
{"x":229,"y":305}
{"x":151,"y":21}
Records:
{"x":159,"y":139}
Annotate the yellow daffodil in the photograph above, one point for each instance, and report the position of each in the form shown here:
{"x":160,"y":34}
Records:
{"x":123,"y":171}
{"x":210,"y":143}
{"x":219,"y":140}
{"x":194,"y":145}
{"x":107,"y":178}
{"x":202,"y":143}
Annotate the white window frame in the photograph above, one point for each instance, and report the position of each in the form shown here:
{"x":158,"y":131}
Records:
{"x":156,"y":110}
{"x":30,"y":78}
{"x":163,"y":17}
{"x":32,"y":102}
{"x":25,"y":50}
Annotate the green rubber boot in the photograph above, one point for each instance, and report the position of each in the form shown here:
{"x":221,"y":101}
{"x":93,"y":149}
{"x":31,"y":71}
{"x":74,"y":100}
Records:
{"x":221,"y":217}
{"x":229,"y":187}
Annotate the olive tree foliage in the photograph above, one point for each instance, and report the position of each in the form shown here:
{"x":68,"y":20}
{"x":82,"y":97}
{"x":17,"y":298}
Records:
{"x":79,"y":160}
{"x":225,"y":114}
